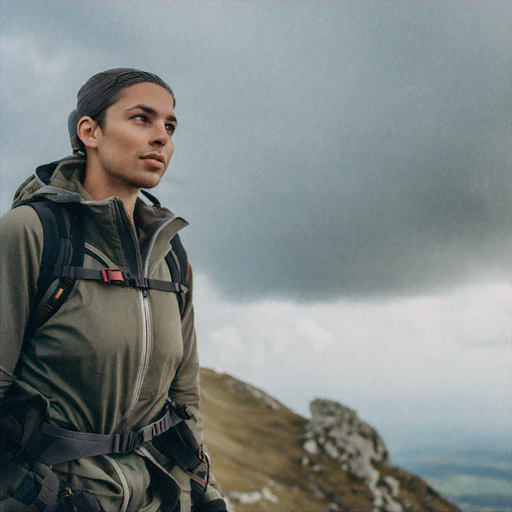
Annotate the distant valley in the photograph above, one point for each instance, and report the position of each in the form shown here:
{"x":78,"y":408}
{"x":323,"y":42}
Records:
{"x":476,"y":480}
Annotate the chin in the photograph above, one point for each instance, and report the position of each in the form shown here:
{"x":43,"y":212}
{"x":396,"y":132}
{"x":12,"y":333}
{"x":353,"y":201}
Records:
{"x":147,"y":181}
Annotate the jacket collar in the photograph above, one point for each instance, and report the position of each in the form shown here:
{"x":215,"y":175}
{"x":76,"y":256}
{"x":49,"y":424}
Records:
{"x":61,"y":182}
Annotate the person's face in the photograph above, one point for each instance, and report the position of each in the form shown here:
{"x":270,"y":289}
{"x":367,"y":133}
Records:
{"x":134,"y":146}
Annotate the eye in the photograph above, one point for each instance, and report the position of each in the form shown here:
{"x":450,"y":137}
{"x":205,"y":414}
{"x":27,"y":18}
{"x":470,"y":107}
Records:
{"x":170,"y":127}
{"x":140,"y":117}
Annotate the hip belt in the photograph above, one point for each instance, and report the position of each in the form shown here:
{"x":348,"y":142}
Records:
{"x":45,"y":445}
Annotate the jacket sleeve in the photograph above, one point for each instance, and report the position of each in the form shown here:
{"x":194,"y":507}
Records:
{"x":185,"y":389}
{"x":21,"y":247}
{"x":185,"y":385}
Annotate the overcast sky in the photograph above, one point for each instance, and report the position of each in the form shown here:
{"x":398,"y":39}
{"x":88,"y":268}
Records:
{"x":345,"y":168}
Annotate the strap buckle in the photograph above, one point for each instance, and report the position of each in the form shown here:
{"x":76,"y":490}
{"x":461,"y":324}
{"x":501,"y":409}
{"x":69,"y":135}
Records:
{"x":112,"y":275}
{"x":181,"y":410}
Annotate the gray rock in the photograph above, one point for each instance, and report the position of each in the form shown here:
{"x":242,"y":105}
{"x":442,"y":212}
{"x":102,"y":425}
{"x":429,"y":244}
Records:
{"x":311,"y":446}
{"x":337,"y":431}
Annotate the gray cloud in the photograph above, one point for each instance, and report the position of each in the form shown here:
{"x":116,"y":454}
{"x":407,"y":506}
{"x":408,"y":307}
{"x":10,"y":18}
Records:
{"x":324,"y":149}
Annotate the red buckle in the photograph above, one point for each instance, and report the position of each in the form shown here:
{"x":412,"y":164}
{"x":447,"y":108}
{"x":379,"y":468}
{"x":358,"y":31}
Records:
{"x":111,"y":275}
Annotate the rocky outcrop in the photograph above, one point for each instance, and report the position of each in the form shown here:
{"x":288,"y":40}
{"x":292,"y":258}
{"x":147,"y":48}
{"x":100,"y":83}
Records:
{"x":337,"y":431}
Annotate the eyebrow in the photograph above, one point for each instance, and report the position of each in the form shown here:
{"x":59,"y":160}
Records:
{"x":151,"y":111}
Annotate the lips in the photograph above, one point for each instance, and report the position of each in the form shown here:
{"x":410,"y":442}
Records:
{"x":154,"y":156}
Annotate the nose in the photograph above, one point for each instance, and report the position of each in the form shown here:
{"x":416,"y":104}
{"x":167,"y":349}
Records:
{"x":160,"y":135}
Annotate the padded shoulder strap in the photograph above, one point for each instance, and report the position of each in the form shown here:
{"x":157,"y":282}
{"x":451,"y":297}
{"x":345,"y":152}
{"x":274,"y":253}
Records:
{"x":177,"y":262}
{"x":63,"y":245}
{"x":55,"y":232}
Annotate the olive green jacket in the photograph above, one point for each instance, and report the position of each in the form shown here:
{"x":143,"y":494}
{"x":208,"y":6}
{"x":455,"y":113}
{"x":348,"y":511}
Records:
{"x":109,"y":358}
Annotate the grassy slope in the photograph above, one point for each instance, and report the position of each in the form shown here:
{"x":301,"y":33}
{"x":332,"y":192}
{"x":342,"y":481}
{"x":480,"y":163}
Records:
{"x":254,"y":446}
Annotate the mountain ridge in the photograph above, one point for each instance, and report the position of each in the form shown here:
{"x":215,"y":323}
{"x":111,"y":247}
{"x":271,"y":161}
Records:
{"x":264,"y":459}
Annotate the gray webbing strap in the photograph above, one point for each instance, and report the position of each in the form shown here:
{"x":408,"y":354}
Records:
{"x":63,"y":445}
{"x":115,"y":276}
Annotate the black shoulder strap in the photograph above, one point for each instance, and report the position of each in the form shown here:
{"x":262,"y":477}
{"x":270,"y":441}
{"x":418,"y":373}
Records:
{"x":54,"y":230}
{"x":64,"y":245}
{"x":177,"y":262}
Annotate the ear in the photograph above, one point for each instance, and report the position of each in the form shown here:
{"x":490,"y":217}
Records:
{"x":87,"y":130}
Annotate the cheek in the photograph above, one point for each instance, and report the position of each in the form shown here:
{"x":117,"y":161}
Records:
{"x":131,"y":141}
{"x":126,"y":138}
{"x":119,"y":144}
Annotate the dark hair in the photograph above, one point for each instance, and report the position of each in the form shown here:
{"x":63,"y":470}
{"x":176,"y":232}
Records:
{"x":100,"y":92}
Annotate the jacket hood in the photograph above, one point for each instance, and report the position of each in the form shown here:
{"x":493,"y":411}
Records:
{"x":60,"y":178}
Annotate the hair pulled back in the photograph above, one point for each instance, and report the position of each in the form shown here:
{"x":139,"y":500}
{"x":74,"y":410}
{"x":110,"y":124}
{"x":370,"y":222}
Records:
{"x":100,"y":92}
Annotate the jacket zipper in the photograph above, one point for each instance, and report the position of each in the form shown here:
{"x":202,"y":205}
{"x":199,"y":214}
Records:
{"x":146,"y":348}
{"x":147,"y":328}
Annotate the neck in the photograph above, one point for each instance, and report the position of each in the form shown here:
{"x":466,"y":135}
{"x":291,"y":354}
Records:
{"x":102,"y":186}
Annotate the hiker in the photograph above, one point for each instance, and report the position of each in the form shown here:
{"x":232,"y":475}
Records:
{"x":99,"y":367}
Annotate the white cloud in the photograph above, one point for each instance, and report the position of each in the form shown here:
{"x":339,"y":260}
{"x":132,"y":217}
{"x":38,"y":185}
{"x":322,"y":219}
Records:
{"x":421,"y":363}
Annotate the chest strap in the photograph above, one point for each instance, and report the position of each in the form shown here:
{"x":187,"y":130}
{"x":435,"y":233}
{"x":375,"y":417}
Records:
{"x":53,"y":445}
{"x":116,"y":276}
